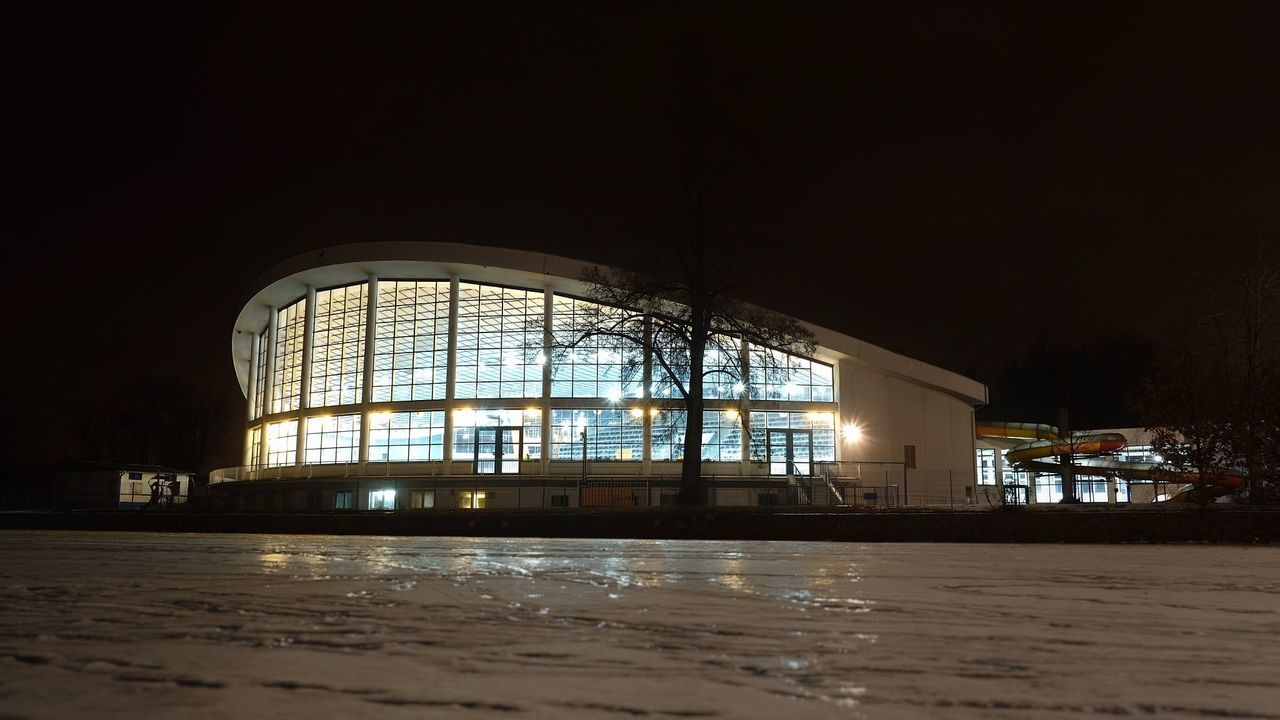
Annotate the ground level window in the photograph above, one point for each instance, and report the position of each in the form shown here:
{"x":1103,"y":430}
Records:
{"x":559,"y":501}
{"x":382,"y":499}
{"x":342,"y":500}
{"x":473,"y":499}
{"x":135,"y":476}
{"x":422,"y":499}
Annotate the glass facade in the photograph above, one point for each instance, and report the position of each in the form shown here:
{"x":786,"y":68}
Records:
{"x":332,"y":439}
{"x":500,"y":355}
{"x":406,"y":436}
{"x":286,"y":393}
{"x":337,"y":346}
{"x":499,"y":342}
{"x":411,"y":345}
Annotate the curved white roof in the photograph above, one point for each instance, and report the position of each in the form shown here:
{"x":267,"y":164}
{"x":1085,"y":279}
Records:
{"x":344,"y":264}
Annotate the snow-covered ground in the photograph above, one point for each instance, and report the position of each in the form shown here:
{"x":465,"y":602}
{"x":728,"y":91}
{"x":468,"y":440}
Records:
{"x":222,"y":626}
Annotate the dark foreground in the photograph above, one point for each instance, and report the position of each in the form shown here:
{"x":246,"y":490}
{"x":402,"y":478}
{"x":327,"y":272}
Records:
{"x":1048,"y":525}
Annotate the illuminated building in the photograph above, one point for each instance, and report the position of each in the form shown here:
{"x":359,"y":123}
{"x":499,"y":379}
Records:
{"x":415,"y":374}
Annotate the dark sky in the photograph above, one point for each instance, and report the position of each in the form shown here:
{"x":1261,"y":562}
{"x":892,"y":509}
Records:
{"x":970,"y":168}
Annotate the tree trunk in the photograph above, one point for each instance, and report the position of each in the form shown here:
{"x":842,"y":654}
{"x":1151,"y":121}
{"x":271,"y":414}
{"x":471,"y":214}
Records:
{"x":691,"y":486}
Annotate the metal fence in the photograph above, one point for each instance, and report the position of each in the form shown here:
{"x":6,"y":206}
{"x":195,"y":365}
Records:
{"x":868,"y":486}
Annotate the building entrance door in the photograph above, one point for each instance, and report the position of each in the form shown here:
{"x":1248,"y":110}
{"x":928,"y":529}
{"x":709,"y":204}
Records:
{"x":791,"y":452}
{"x":498,"y":450}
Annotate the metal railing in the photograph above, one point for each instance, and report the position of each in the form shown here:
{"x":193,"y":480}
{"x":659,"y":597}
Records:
{"x":832,"y":484}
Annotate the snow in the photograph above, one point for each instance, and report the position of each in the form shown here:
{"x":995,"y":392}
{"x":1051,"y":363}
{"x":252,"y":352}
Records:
{"x":234,"y":626}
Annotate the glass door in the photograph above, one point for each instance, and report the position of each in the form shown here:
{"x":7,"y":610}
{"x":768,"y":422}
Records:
{"x":486,"y":450}
{"x":508,"y":450}
{"x":791,"y":452}
{"x":800,"y":453}
{"x":498,"y":450}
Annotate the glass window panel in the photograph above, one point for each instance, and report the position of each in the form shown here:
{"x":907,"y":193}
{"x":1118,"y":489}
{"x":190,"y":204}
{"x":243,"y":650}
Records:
{"x":499,"y":342}
{"x":613,"y":434}
{"x":282,"y":443}
{"x":286,"y":392}
{"x":776,"y":375}
{"x":406,"y":436}
{"x":598,"y":366}
{"x":255,"y":448}
{"x":337,"y":346}
{"x":412,"y":316}
{"x":260,"y":387}
{"x":332,"y":439}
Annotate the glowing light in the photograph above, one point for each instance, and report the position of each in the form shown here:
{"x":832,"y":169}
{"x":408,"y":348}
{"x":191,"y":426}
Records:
{"x":738,"y":388}
{"x":731,"y":413}
{"x":790,"y":389}
{"x":541,"y":359}
{"x":852,"y":433}
{"x":653,"y":412}
{"x":613,"y":394}
{"x":637,"y":412}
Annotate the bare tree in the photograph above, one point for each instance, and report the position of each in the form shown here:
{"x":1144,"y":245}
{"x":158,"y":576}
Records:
{"x":1185,"y":393}
{"x":1213,"y":395}
{"x":677,"y":326}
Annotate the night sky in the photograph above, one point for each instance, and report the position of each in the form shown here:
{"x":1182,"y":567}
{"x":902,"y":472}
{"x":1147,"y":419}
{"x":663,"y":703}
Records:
{"x":983,"y":174}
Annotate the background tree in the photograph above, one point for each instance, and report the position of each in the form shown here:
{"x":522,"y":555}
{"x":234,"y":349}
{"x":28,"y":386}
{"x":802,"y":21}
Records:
{"x":1222,"y":378}
{"x":1184,"y":391}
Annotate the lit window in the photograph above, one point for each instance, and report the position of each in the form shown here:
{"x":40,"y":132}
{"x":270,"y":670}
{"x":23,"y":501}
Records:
{"x":411,"y":341}
{"x":286,"y":393}
{"x":612,"y":434}
{"x":260,"y":387}
{"x":986,"y":459}
{"x":337,"y":346}
{"x":472,"y":499}
{"x":597,"y":366}
{"x":255,"y":448}
{"x":282,"y":443}
{"x":777,"y":375}
{"x":406,"y":436}
{"x":342,"y":500}
{"x":499,"y":342}
{"x":333,"y":439}
{"x":382,"y":499}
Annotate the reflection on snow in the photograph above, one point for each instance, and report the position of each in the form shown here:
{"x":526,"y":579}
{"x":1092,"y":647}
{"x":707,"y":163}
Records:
{"x":167,"y":625}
